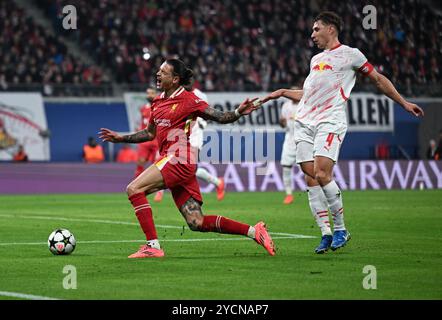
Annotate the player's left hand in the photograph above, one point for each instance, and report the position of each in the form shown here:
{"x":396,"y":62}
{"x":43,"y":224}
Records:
{"x":109,"y":135}
{"x":414,"y":109}
{"x":248,"y":106}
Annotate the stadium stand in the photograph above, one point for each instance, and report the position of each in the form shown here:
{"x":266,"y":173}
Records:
{"x":32,"y":57}
{"x":232,"y":45}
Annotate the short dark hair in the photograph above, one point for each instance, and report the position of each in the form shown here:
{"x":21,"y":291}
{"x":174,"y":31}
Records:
{"x":179,"y":69}
{"x":330,"y":17}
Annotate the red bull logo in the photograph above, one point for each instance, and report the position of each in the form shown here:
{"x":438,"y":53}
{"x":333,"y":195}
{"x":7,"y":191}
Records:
{"x":322,"y":66}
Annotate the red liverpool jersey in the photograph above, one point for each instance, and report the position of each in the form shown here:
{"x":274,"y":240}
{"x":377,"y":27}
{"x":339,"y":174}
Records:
{"x":174,"y":117}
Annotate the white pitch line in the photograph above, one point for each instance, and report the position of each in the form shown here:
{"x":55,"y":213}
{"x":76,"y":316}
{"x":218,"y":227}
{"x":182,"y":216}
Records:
{"x":290,"y":235}
{"x":293,"y":235}
{"x":162,"y":240}
{"x":24,"y":296}
{"x":84,"y":220}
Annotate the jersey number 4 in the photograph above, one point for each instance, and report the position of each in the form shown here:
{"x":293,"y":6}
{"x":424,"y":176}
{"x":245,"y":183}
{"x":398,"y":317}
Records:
{"x":329,"y":139}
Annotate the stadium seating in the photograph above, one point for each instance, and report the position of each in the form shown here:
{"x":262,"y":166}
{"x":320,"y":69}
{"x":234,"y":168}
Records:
{"x":232,"y":45}
{"x":31,"y":55}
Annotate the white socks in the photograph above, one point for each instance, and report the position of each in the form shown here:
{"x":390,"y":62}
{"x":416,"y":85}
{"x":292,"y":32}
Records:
{"x":334,"y":200}
{"x":251,"y":232}
{"x":319,"y":208}
{"x":206,"y":176}
{"x":154,"y":244}
{"x":287,"y":178}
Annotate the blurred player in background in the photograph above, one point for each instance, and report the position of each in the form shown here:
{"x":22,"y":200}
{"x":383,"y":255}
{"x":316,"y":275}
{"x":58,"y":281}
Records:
{"x":147,"y":151}
{"x":321,"y":121}
{"x":288,"y":155}
{"x":197,"y":141}
{"x":171,"y":122}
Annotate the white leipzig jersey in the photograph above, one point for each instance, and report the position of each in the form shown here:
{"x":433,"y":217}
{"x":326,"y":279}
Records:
{"x":196,"y":138}
{"x":329,"y":84}
{"x":288,"y":112}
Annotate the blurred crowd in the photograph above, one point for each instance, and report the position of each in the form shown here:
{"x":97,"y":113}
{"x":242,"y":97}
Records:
{"x":232,"y":45}
{"x":29,"y":54}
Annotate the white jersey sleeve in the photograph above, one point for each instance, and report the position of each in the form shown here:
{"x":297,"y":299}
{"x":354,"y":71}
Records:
{"x":360,"y":62}
{"x":357,"y":59}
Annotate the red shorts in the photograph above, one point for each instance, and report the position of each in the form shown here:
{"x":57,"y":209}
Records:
{"x":147,"y":151}
{"x":180,"y":178}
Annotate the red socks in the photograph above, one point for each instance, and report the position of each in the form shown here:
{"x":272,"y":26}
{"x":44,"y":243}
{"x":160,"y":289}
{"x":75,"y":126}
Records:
{"x":218,"y":224}
{"x":223,"y":225}
{"x":143,"y":212}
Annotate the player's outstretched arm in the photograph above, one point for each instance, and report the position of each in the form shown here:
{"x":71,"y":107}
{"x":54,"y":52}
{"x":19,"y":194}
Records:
{"x":295,"y":95}
{"x":387,"y":88}
{"x":246,"y":107}
{"x":144,"y":135}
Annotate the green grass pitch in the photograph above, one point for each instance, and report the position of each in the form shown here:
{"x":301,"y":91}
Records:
{"x":397,"y":232}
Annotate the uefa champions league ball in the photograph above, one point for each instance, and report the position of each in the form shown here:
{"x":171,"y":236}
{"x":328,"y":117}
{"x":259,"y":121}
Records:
{"x":61,"y":242}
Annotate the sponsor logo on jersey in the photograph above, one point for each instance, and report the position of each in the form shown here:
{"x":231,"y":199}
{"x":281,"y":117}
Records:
{"x":162,"y":122}
{"x":322,"y":66}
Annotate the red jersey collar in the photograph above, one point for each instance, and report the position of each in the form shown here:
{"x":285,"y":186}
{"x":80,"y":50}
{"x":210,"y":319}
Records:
{"x":176,"y":93}
{"x":335,"y":47}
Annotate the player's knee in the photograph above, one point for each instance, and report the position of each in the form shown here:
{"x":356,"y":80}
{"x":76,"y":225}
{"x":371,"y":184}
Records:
{"x":131,"y":189}
{"x":195,"y":224}
{"x":310,"y":181}
{"x":322,"y":177}
{"x":309,"y":175}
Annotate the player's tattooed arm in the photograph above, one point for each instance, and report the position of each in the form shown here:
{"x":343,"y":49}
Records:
{"x":147,"y":134}
{"x":144,"y":135}
{"x":191,"y":211}
{"x":137,"y":137}
{"x":246,"y":107}
{"x":211,"y":113}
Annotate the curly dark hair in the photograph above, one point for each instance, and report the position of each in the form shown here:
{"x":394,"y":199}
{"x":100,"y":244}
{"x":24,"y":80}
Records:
{"x":179,"y":69}
{"x":330,"y":17}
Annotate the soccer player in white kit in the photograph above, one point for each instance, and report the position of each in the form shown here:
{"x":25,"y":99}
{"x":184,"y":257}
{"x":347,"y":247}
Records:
{"x":196,"y":140}
{"x":321,"y":122}
{"x":288,"y":154}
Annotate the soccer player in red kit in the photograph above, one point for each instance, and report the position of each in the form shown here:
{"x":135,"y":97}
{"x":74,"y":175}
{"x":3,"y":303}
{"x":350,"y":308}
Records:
{"x":173,"y":114}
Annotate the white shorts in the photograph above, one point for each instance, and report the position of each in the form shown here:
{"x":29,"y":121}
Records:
{"x":324,"y":140}
{"x":288,"y":155}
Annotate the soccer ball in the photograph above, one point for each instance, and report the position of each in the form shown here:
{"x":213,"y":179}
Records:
{"x":61,"y":241}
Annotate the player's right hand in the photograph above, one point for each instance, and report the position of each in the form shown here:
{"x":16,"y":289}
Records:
{"x":274,"y":95}
{"x":414,"y":109}
{"x":109,"y":135}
